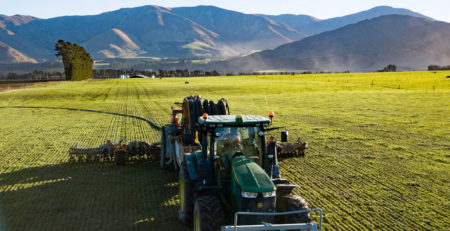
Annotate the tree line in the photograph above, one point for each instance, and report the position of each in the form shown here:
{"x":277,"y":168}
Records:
{"x":38,"y":75}
{"x":34,"y":76}
{"x":438,"y":68}
{"x":115,"y":73}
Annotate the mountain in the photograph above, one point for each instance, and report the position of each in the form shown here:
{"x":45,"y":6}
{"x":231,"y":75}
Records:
{"x":155,"y":30}
{"x":297,"y":22}
{"x":338,"y":22}
{"x":152,"y":31}
{"x":11,"y":55}
{"x":7,"y":22}
{"x":240,"y":32}
{"x":15,"y":49}
{"x":149,"y":31}
{"x":16,"y":20}
{"x":408,"y":42}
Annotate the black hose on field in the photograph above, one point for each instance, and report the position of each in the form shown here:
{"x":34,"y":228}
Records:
{"x":151,"y":123}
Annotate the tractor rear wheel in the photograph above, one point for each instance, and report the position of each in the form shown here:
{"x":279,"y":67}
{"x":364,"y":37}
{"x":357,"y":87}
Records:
{"x":289,"y":202}
{"x":221,"y":106}
{"x":186,"y":194}
{"x":205,"y":106}
{"x":208,"y":213}
{"x":212,"y":108}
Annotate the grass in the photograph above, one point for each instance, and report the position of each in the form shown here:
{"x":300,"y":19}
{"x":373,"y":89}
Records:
{"x":10,"y":86}
{"x":378,"y":158}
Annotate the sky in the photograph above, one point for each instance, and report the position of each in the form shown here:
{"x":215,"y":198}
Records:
{"x":322,"y":9}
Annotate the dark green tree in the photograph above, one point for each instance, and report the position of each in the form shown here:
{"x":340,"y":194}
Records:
{"x":77,"y":62}
{"x":389,"y":68}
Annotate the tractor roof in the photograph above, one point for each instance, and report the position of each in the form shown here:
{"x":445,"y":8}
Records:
{"x":234,"y":120}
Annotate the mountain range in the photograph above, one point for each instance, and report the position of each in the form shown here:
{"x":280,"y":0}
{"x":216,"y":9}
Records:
{"x":208,"y":32}
{"x":409,"y":42}
{"x":313,"y":26}
{"x":148,"y":31}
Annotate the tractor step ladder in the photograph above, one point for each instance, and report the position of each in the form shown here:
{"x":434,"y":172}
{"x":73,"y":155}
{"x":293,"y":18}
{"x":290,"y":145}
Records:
{"x":268,"y":226}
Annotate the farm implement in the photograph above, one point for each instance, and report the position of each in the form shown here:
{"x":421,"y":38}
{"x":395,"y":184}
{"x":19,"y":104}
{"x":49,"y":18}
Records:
{"x":229,"y":177}
{"x":119,"y":152}
{"x":291,"y":149}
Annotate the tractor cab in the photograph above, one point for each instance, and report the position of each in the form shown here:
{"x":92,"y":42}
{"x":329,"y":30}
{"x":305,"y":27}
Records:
{"x":232,"y":141}
{"x":235,"y":135}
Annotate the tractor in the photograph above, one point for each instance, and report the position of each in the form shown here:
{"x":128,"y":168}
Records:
{"x":229,"y":177}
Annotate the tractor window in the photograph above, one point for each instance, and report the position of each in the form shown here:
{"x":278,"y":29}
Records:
{"x":232,"y":140}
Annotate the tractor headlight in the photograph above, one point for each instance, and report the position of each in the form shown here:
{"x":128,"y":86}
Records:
{"x":249,"y":194}
{"x":269,"y":194}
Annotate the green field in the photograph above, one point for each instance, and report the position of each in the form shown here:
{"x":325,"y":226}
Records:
{"x":378,"y":159}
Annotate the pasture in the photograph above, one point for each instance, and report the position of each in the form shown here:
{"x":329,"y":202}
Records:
{"x":6,"y":86}
{"x":378,"y":159}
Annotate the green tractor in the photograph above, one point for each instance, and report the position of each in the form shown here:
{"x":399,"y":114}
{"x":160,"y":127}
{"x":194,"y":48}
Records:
{"x":229,"y":178}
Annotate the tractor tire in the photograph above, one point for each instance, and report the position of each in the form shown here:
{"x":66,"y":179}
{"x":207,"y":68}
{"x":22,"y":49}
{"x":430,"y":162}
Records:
{"x":162,"y":159}
{"x":121,"y":157}
{"x":216,"y":109}
{"x":192,"y":113}
{"x":198,"y":109}
{"x":211,"y":107}
{"x":221,"y":106}
{"x":186,"y":114}
{"x":208,"y":213}
{"x":206,"y":106}
{"x":186,"y":194}
{"x":289,"y":202}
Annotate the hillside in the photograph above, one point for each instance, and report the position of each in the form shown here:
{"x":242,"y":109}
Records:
{"x":11,"y":55}
{"x":338,"y":22}
{"x":297,"y":22}
{"x":240,"y":32}
{"x":112,"y":43}
{"x":16,"y":20}
{"x":406,"y":41}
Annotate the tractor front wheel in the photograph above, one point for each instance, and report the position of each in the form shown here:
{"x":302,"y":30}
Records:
{"x":288,"y":203}
{"x":208,"y":213}
{"x":186,"y":194}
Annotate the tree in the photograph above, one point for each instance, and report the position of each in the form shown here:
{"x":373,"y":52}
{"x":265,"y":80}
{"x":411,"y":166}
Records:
{"x":77,"y":62}
{"x":389,"y":68}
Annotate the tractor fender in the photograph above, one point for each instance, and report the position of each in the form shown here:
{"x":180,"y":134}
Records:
{"x":284,"y":189}
{"x":167,"y":145}
{"x":191,"y":164}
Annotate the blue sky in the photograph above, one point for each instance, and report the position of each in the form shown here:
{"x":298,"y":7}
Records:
{"x":438,"y":9}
